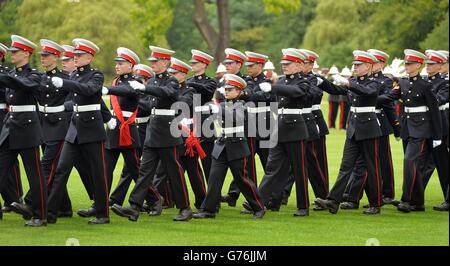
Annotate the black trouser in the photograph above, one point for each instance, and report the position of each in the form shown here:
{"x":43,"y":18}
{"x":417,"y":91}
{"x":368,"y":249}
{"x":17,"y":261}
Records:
{"x":359,"y":176}
{"x":131,"y":161}
{"x":318,"y":161}
{"x":343,"y":116}
{"x":416,"y":152}
{"x":285,"y":156}
{"x":208,"y":147}
{"x":233,"y":190}
{"x":368,"y":150}
{"x":438,"y":159}
{"x":332,"y":114}
{"x":12,"y":190}
{"x":196,"y":178}
{"x":245,"y":184}
{"x":160,"y":188}
{"x":93,"y":155}
{"x":51,"y":151}
{"x":170,"y":162}
{"x":31,"y":161}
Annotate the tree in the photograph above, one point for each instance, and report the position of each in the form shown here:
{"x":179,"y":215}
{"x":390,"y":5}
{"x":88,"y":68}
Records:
{"x":217,"y":40}
{"x":63,"y":21}
{"x":8,"y":13}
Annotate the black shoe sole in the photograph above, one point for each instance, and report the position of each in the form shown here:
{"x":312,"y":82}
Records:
{"x":130,"y":217}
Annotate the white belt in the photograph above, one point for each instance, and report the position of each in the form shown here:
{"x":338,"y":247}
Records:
{"x":124,"y":113}
{"x":378,"y":111}
{"x":255,"y":110}
{"x":419,"y":109}
{"x":316,"y":107}
{"x":141,"y":120}
{"x":290,"y":111}
{"x":2,"y":106}
{"x":366,"y":109}
{"x":86,"y":108}
{"x":163,"y":112}
{"x":232,"y":130}
{"x":444,"y":107}
{"x":307,"y":110}
{"x":204,"y":108}
{"x":22,"y":108}
{"x":51,"y":109}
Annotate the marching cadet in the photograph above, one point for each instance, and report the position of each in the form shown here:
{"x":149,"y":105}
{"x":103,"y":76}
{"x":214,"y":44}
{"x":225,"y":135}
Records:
{"x":160,"y":144}
{"x":419,"y":122}
{"x":234,"y":60}
{"x":188,"y":150}
{"x":289,"y":152}
{"x":86,"y":135}
{"x":54,"y":124}
{"x":68,"y":66}
{"x":204,"y":86}
{"x":444,"y":66}
{"x":12,"y":190}
{"x":440,"y":156}
{"x":21,"y":133}
{"x":389,"y":124}
{"x":231,"y":151}
{"x":123,"y":138}
{"x":141,"y":73}
{"x":363,"y":132}
{"x":315,"y":172}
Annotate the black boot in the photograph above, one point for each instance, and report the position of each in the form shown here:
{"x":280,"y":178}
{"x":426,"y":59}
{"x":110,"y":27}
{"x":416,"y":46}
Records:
{"x":24,"y":209}
{"x":157,"y":208}
{"x":443,"y":207}
{"x":404,"y":207}
{"x":331,"y":205}
{"x":132,"y":212}
{"x":348,"y":205}
{"x":85,"y":213}
{"x":103,"y":220}
{"x":231,"y":200}
{"x":372,"y":211}
{"x":301,"y":213}
{"x":259,"y":214}
{"x":184,"y":216}
{"x":36,"y":223}
{"x":204,"y":215}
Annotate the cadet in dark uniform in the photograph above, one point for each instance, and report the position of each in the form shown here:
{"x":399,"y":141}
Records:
{"x":363,"y":132}
{"x":189,"y":155}
{"x":231,"y":151}
{"x":233,"y":62}
{"x":389,"y":123}
{"x":12,"y":188}
{"x":21,"y":133}
{"x":292,"y":133}
{"x":160,"y":144}
{"x":141,"y":73}
{"x":440,"y":156}
{"x":86,"y":135}
{"x":123,"y":138}
{"x":419,"y":122}
{"x":205,"y":87}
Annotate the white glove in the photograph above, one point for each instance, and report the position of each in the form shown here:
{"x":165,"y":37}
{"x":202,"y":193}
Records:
{"x":436,"y":143}
{"x":57,"y":82}
{"x":105,"y":91}
{"x":319,"y":81}
{"x":265,"y":87}
{"x":137,"y":85}
{"x":112,"y":124}
{"x":221,"y":90}
{"x":214,"y":108}
{"x":318,"y":129}
{"x":341,"y":80}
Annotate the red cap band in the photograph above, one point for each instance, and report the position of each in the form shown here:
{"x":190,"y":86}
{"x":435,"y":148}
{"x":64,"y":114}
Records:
{"x":85,"y":48}
{"x":414,"y":58}
{"x":22,"y":46}
{"x":201,"y":59}
{"x":235,"y":58}
{"x":235,"y":83}
{"x":142,"y":72}
{"x":51,"y":50}
{"x":160,"y":55}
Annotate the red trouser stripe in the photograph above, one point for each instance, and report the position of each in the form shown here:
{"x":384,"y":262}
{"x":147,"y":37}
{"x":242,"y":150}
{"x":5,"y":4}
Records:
{"x":181,"y":177}
{"x":245,"y":179}
{"x":366,"y":174}
{"x":104,"y":179}
{"x":50,"y":177}
{"x":17,"y":180}
{"x":313,"y":148}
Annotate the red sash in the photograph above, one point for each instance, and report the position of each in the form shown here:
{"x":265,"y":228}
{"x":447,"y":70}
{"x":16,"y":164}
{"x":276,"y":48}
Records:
{"x":125,"y":135}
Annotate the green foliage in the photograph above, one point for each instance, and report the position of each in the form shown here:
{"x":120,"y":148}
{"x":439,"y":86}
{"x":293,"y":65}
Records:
{"x":8,"y":15}
{"x":282,"y":6}
{"x":438,"y":38}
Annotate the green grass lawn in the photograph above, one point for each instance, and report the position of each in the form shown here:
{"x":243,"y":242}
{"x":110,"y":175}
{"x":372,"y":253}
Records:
{"x":231,"y":228}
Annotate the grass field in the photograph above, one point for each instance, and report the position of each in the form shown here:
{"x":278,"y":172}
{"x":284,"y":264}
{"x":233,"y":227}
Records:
{"x":232,"y":229}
